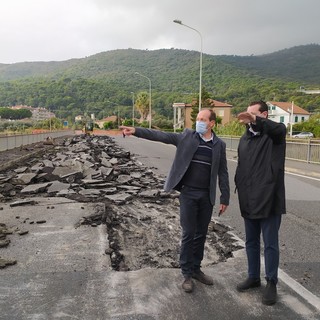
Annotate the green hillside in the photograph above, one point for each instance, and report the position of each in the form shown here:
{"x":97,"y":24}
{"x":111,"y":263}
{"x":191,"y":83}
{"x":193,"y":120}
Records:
{"x":89,"y":84}
{"x":301,"y":63}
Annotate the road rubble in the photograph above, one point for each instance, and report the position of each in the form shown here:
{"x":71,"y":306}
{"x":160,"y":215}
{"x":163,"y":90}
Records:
{"x":142,"y":221}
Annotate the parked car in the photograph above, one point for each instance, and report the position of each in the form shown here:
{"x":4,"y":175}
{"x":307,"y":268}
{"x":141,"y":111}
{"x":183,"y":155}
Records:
{"x":303,"y":135}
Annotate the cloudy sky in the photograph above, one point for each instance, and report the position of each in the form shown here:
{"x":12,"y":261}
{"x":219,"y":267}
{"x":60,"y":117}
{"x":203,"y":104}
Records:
{"x":55,"y":30}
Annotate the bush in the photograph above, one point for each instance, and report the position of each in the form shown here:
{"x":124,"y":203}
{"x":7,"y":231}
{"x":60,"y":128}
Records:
{"x":312,"y":125}
{"x":109,"y":125}
{"x":233,"y":128}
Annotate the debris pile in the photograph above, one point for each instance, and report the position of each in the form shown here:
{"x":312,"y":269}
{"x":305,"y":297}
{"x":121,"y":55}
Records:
{"x":142,"y":221}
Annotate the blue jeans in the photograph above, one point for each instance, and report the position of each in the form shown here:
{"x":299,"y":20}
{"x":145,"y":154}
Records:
{"x":195,"y":216}
{"x":270,"y":233}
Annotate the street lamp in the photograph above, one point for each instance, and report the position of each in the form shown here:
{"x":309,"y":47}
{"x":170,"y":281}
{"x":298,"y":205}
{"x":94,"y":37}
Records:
{"x":291,"y":118}
{"x":150,"y":116}
{"x":132,"y":108}
{"x":200,"y":85}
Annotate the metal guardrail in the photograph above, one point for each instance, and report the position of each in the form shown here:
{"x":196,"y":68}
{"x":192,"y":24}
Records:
{"x":306,"y":150}
{"x":8,"y":142}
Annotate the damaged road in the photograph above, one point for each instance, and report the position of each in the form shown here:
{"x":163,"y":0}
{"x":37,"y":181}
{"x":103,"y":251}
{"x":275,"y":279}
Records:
{"x":86,"y":232}
{"x":142,"y":221}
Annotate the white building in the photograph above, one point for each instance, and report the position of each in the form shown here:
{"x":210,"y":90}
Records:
{"x":37,"y":113}
{"x":287,"y":112}
{"x":41,"y":114}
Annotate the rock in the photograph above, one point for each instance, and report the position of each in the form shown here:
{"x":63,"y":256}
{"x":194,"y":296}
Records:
{"x":20,"y":170}
{"x":22,"y":232}
{"x":4,"y":243}
{"x":122,"y":178}
{"x":22,"y":203}
{"x":58,"y":186}
{"x":24,"y":178}
{"x":36,"y":188}
{"x":149,"y":193}
{"x":6,"y":262}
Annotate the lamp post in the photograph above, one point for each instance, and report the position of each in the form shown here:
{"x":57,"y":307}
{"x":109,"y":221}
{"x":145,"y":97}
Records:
{"x":291,"y":119}
{"x":132,"y":108}
{"x":200,"y":82}
{"x":150,"y":115}
{"x":50,"y":120}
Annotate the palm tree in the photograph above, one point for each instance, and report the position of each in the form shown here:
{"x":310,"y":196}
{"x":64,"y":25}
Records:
{"x":142,"y":105}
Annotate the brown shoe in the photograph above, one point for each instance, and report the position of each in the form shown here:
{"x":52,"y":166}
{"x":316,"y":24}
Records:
{"x":187,"y":285}
{"x":203,"y":278}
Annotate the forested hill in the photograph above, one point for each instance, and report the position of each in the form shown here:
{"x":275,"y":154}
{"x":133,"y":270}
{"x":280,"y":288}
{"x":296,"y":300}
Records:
{"x":92,"y":82}
{"x":300,"y":63}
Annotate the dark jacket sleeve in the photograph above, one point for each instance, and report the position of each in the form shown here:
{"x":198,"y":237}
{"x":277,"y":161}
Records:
{"x":156,"y":135}
{"x":276,"y":131}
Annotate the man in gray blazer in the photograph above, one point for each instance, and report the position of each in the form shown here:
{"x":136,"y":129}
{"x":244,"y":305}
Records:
{"x":200,"y":161}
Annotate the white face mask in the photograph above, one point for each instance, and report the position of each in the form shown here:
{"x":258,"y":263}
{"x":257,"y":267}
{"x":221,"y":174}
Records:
{"x":201,"y":127}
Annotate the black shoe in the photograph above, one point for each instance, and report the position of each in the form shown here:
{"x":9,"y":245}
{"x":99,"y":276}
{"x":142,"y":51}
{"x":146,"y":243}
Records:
{"x":203,"y":278}
{"x":248,"y":284}
{"x":269,"y":296}
{"x":187,"y":285}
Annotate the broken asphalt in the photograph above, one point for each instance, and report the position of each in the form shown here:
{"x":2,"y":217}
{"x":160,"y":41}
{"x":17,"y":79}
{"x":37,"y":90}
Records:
{"x":63,"y":272}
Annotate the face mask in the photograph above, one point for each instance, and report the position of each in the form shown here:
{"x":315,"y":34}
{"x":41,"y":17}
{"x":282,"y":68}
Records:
{"x":201,"y":127}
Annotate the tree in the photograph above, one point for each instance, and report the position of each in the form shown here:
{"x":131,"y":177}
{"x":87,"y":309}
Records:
{"x":206,"y":103}
{"x":312,"y":125}
{"x":8,"y":113}
{"x":142,"y":104}
{"x":53,"y":124}
{"x":162,"y":122}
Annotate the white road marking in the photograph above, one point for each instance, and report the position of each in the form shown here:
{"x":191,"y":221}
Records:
{"x":302,"y":176}
{"x":290,"y":282}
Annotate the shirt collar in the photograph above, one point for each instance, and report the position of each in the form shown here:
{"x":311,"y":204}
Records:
{"x":255,"y":133}
{"x":206,"y":140}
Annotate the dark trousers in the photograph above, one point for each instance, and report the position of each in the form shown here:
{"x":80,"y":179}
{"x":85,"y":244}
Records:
{"x":195,"y":216}
{"x":270,"y":234}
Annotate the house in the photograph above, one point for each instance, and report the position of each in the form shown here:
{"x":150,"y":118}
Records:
{"x":37,"y":113}
{"x":182,"y":113}
{"x":222,"y":110}
{"x":79,"y":117}
{"x":286,"y":112}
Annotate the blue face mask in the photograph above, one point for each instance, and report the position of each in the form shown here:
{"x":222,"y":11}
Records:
{"x":201,"y":127}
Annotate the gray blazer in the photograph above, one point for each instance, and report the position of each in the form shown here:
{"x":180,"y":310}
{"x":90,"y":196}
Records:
{"x":187,"y":143}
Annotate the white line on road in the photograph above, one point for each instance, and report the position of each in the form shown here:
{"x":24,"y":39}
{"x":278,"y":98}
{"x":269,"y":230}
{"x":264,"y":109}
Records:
{"x":290,"y":282}
{"x":288,"y":172}
{"x":302,"y":176}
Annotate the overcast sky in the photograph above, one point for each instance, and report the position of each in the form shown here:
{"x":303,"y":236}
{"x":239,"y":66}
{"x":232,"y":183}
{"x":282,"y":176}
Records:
{"x":55,"y":30}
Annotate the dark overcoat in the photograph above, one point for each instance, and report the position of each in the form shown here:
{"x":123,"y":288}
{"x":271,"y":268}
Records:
{"x":259,"y":176}
{"x":187,"y":143}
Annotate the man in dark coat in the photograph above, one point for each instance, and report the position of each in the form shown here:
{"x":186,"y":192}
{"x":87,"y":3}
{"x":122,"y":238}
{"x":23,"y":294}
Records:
{"x":259,"y":181}
{"x":199,"y":162}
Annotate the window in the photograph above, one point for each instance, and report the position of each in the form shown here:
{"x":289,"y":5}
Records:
{"x":220,"y":113}
{"x":296,"y":119}
{"x":282,"y":119}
